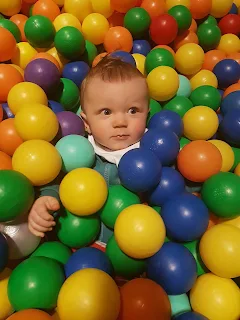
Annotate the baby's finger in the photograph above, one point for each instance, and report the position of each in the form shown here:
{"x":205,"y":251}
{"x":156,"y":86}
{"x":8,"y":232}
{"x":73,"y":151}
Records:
{"x":36,"y":233}
{"x":43,"y":213}
{"x":42,"y":222}
{"x":38,"y":227}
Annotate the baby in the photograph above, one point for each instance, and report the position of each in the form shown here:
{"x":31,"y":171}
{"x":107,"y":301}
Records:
{"x":115,"y":105}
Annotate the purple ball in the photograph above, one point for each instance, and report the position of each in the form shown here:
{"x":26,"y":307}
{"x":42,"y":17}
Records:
{"x":42,"y":72}
{"x":70,"y":123}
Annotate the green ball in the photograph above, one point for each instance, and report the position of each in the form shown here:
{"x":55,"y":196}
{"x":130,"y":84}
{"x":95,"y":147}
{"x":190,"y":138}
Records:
{"x":154,"y":107}
{"x":70,"y":43}
{"x":210,"y":20}
{"x":158,"y":209}
{"x":206,"y":96}
{"x":53,"y":250}
{"x":16,"y":195}
{"x":12,"y":27}
{"x":221,"y":194}
{"x":1,"y":16}
{"x":236,"y":152}
{"x":209,"y":36}
{"x":179,"y":304}
{"x":67,"y":93}
{"x":39,"y":31}
{"x":118,"y":199}
{"x":137,"y":21}
{"x":159,"y":57}
{"x":75,"y":231}
{"x":124,"y":265}
{"x":90,"y":52}
{"x":35,"y":284}
{"x":183,"y":142}
{"x":182,"y":15}
{"x":179,"y":104}
{"x":193,"y":247}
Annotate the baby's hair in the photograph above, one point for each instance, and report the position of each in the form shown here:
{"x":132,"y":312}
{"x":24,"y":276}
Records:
{"x":110,"y":69}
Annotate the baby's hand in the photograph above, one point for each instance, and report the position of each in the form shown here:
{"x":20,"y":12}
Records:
{"x":39,"y":219}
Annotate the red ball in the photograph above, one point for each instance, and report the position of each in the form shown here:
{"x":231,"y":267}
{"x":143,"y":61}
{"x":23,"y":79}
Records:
{"x":163,"y":29}
{"x":230,"y":24}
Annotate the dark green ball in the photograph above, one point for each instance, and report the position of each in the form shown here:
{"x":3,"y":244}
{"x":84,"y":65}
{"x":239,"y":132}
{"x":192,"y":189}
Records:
{"x":193,"y":247}
{"x":209,"y":36}
{"x":179,"y":104}
{"x":137,"y":21}
{"x":12,"y":27}
{"x":154,"y":107}
{"x":183,"y":142}
{"x":236,"y":152}
{"x":210,"y":20}
{"x":159,"y":57}
{"x":206,"y":96}
{"x":182,"y":15}
{"x":90,"y":52}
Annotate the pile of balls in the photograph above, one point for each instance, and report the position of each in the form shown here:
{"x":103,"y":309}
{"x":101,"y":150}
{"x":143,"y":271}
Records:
{"x":174,"y":222}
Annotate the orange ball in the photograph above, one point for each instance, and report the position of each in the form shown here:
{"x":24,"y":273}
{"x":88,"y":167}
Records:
{"x":30,"y":314}
{"x":118,"y":38}
{"x":163,"y":46}
{"x":7,"y":45}
{"x":232,"y":88}
{"x":98,"y":58}
{"x":25,"y":9}
{"x":200,"y":8}
{"x":47,"y":8}
{"x":185,"y":37}
{"x":47,"y":56}
{"x":193,"y":27}
{"x":123,"y":5}
{"x":30,"y":1}
{"x":211,"y":58}
{"x":9,"y":77}
{"x":20,"y":20}
{"x":235,"y":56}
{"x":5,"y":161}
{"x":154,"y":7}
{"x":9,"y":138}
{"x":116,"y":19}
{"x":199,"y":160}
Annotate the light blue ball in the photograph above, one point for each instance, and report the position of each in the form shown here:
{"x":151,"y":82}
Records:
{"x":76,"y":152}
{"x":179,"y":304}
{"x":184,"y":87}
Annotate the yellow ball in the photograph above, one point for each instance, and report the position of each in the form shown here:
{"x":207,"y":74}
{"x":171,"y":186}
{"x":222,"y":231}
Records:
{"x":79,"y":8}
{"x":233,"y":222}
{"x":10,"y":7}
{"x":220,"y":7}
{"x":18,"y":69}
{"x":83,"y":191}
{"x":60,"y":59}
{"x":216,"y":298}
{"x":140,"y":62}
{"x":38,"y":160}
{"x":200,"y":123}
{"x":36,"y":121}
{"x":229,"y":43}
{"x":237,"y":3}
{"x":139,"y":231}
{"x":227,"y":154}
{"x":95,"y":27}
{"x":237,"y":170}
{"x":103,"y":7}
{"x":65,"y":20}
{"x":55,"y":316}
{"x":173,"y":3}
{"x":89,"y":294}
{"x":163,"y":83}
{"x":25,"y":93}
{"x":189,"y":59}
{"x":204,"y":78}
{"x":220,"y":250}
{"x":6,"y":308}
{"x":23,"y":54}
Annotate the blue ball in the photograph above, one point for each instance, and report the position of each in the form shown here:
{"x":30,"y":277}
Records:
{"x":230,"y":127}
{"x":227,"y":72}
{"x":190,"y":316}
{"x":174,"y":268}
{"x":221,"y":92}
{"x":234,"y":9}
{"x":124,"y":56}
{"x":7,"y":113}
{"x":88,"y":258}
{"x":167,"y":119}
{"x":230,"y":102}
{"x":76,"y":71}
{"x":139,"y":170}
{"x":185,"y":217}
{"x":164,"y":143}
{"x":185,"y":88}
{"x":55,"y":106}
{"x":141,"y":46}
{"x":3,"y":252}
{"x":170,"y":185}
{"x":220,"y":118}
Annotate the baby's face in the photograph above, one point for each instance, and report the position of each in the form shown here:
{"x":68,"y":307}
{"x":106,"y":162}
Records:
{"x":116,"y":113}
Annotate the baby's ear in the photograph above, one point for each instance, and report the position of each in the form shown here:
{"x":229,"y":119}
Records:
{"x":84,"y":117}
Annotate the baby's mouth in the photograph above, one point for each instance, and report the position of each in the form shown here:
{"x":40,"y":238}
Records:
{"x":121,"y":137}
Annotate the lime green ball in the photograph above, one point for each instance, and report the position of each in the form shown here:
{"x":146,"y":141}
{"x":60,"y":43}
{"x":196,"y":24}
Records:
{"x":90,"y":52}
{"x":70,"y":43}
{"x":118,"y":199}
{"x":39,"y":31}
{"x":206,"y":96}
{"x":137,"y":21}
{"x":53,"y":250}
{"x":193,"y":247}
{"x":154,"y":107}
{"x":12,"y":27}
{"x":179,"y":104}
{"x":182,"y":15}
{"x":236,"y":152}
{"x":221,"y":194}
{"x":183,"y":142}
{"x":209,"y":36}
{"x":122,"y":264}
{"x":159,"y":57}
{"x":75,"y":231}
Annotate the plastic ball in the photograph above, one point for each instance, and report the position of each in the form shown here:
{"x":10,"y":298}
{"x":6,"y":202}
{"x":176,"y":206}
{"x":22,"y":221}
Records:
{"x":123,"y":5}
{"x":220,"y":194}
{"x":95,"y":27}
{"x":172,"y":3}
{"x":8,"y":45}
{"x":163,"y":83}
{"x":75,"y":71}
{"x":70,"y":124}
{"x":230,"y":24}
{"x":7,"y":113}
{"x":200,"y":8}
{"x":66,"y":20}
{"x":30,"y":314}
{"x":12,"y":27}
{"x":215,"y":298}
{"x":199,"y":160}
{"x":236,"y":152}
{"x":226,"y":153}
{"x":83,"y":191}
{"x":182,"y":15}
{"x":141,"y":46}
{"x":46,"y":8}
{"x":209,"y":36}
{"x":9,"y":77}
{"x":124,"y":56}
{"x":206,"y":95}
{"x":139,"y":170}
{"x":204,"y":78}
{"x":191,"y":316}
{"x":79,"y":8}
{"x":162,"y":142}
{"x":103,"y":7}
{"x":163,"y":29}
{"x":140,"y":62}
{"x":10,"y":8}
{"x":168,"y":268}
{"x":4,"y":252}
{"x":229,"y":43}
{"x":5,"y":161}
{"x":193,"y":247}
{"x":200,"y":123}
{"x":211,"y":58}
{"x":179,"y":304}
{"x":234,"y":87}
{"x":154,"y":107}
{"x":60,"y":59}
{"x":55,"y":106}
{"x":10,"y":140}
{"x":163,"y":46}
{"x":116,"y":19}
{"x":90,"y":53}
{"x":159,"y":57}
{"x":230,"y":127}
{"x":118,"y":38}
{"x":6,"y":309}
{"x":227,"y":72}
{"x":35,"y":283}
{"x":185,"y":37}
{"x":144,"y":240}
{"x":179,"y":104}
{"x":92,"y":294}
{"x":137,"y":21}
{"x":44,"y":164}
{"x":23,"y":54}
{"x":77,"y":232}
{"x":192,"y":53}
{"x":144,"y":299}
{"x":220,"y":8}
{"x":184,"y":89}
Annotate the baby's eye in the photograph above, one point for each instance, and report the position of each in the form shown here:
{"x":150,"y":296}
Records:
{"x":133,"y":110}
{"x":106,"y":112}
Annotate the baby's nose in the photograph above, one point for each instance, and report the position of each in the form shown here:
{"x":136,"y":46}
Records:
{"x":120,"y":121}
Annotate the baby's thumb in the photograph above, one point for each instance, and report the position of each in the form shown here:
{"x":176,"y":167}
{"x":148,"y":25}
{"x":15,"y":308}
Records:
{"x":53,"y":204}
